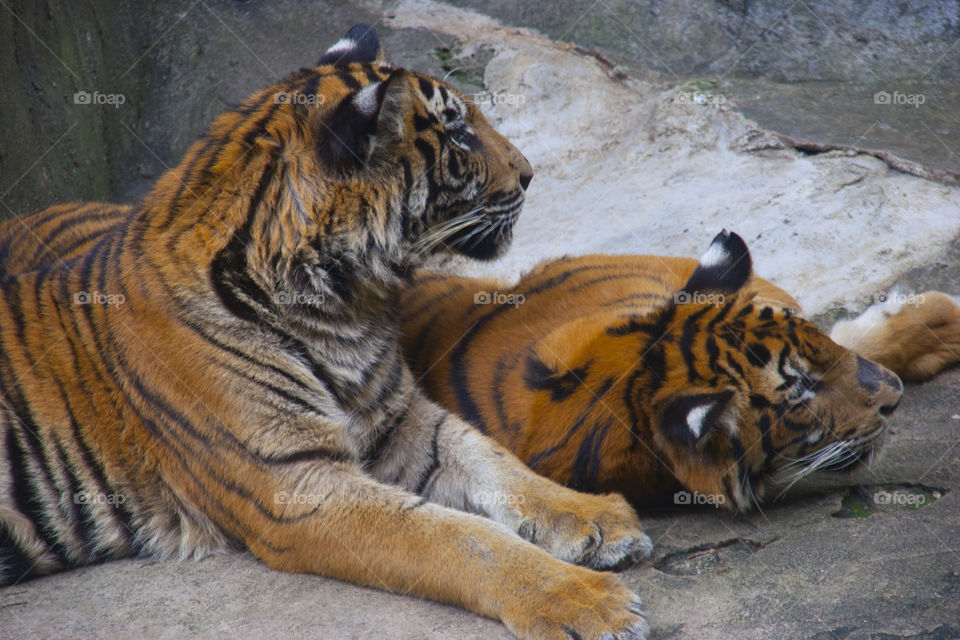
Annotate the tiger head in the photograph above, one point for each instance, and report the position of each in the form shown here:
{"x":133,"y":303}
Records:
{"x":742,"y":394}
{"x":429,"y":171}
{"x":455,"y":182}
{"x":339,"y":176}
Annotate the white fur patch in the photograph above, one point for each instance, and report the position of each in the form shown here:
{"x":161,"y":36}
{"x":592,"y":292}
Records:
{"x":696,"y":417}
{"x":850,"y":333}
{"x":366,"y":99}
{"x":715,"y":255}
{"x":342,"y":45}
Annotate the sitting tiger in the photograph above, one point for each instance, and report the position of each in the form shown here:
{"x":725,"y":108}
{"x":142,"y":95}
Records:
{"x":219,"y":365}
{"x":648,"y":375}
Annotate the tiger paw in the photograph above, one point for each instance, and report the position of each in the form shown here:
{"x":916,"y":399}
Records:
{"x":599,"y":531}
{"x":914,"y":335}
{"x":572,"y":602}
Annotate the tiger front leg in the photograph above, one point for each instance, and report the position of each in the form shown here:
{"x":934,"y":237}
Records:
{"x":459,"y":467}
{"x":336,"y":521}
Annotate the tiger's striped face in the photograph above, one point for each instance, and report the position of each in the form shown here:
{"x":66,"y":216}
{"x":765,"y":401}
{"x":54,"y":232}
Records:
{"x":744,"y":395}
{"x":428,"y":170}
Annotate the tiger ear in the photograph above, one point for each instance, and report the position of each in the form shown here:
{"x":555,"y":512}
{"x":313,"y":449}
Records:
{"x":360,"y":44}
{"x":724,"y":268}
{"x":372,"y":119}
{"x":690,"y":419}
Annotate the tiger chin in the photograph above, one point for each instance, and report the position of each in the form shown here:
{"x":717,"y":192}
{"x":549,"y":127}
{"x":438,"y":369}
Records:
{"x":218,"y":367}
{"x":649,"y":375}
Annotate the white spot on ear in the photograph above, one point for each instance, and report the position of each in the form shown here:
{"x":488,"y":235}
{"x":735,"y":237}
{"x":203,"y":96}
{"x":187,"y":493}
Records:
{"x":366,"y":99}
{"x":715,"y":255}
{"x":696,"y":417}
{"x":341,"y":46}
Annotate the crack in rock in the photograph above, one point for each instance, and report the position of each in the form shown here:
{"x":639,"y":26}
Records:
{"x":709,"y":558}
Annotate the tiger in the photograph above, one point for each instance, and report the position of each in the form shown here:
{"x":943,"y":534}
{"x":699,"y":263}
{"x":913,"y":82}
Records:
{"x":218,"y":366}
{"x":661,"y":378}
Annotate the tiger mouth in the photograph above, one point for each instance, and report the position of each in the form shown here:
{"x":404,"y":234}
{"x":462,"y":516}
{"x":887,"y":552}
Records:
{"x":491,"y":234}
{"x":859,"y":452}
{"x":839,"y":456}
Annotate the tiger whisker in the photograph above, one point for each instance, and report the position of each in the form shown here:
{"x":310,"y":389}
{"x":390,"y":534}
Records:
{"x":440,"y":232}
{"x":834,"y":454}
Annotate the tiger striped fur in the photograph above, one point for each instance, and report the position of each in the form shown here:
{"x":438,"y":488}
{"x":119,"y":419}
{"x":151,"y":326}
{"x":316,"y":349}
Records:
{"x":219,"y":367}
{"x":649,"y":375}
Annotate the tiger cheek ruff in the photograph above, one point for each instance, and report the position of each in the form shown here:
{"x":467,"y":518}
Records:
{"x":232,"y":376}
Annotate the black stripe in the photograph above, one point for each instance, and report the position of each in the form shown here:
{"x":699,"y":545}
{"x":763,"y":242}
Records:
{"x":81,"y":513}
{"x":15,"y":564}
{"x":587,"y":462}
{"x":349,"y":81}
{"x":426,"y":88}
{"x":500,"y":373}
{"x":430,"y":159}
{"x":286,"y":395}
{"x":94,"y":467}
{"x":377,"y":449}
{"x":466,"y":407}
{"x":27,"y":496}
{"x":644,"y":275}
{"x":539,"y":377}
{"x":393,"y":378}
{"x":736,"y":367}
{"x":305,"y":455}
{"x":201,"y":331}
{"x":687,"y":336}
{"x":431,"y":469}
{"x":406,"y":213}
{"x":229,"y":269}
{"x":536,"y":459}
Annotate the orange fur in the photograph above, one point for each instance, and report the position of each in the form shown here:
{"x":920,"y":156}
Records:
{"x":218,"y":366}
{"x":917,"y":341}
{"x":577,"y":377}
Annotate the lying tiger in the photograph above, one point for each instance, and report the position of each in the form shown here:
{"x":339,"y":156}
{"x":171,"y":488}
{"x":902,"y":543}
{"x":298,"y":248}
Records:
{"x":219,"y":366}
{"x":648,"y":375}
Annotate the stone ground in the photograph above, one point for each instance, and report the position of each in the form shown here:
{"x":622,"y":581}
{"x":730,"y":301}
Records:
{"x":871,"y":556}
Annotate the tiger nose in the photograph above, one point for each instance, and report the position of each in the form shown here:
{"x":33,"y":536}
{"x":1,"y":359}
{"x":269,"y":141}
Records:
{"x":888,"y":409}
{"x":521,"y":165}
{"x":884,"y":385}
{"x":525,"y":178}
